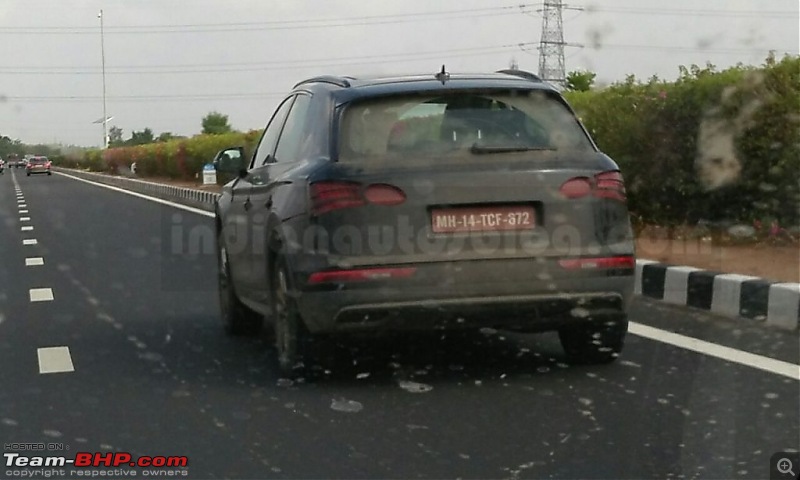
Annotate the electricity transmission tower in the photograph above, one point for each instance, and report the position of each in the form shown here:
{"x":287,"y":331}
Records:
{"x":551,"y":47}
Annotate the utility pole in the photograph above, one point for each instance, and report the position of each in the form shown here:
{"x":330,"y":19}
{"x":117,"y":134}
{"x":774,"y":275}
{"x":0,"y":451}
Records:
{"x":103,"y":57}
{"x":552,"y":68}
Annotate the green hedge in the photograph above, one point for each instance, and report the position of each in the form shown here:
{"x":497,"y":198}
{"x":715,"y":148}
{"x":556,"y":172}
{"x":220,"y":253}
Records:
{"x":671,"y":141}
{"x":177,"y":159}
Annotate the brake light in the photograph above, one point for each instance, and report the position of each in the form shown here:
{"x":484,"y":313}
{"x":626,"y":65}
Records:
{"x":361,"y":275}
{"x":622,"y":262}
{"x":609,"y":185}
{"x":328,"y":196}
{"x":603,"y":185}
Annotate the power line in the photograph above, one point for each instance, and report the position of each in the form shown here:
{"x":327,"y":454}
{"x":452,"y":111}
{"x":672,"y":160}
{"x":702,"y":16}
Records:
{"x":693,"y":13}
{"x":260,"y":66}
{"x":278,"y":25}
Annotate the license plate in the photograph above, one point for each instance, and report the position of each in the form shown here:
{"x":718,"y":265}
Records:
{"x":482,"y":219}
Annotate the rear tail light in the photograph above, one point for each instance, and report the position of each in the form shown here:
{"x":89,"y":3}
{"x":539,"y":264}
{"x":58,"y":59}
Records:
{"x":601,"y":263}
{"x":361,"y":275}
{"x":329,"y":196}
{"x":335,"y":195}
{"x":603,"y":185}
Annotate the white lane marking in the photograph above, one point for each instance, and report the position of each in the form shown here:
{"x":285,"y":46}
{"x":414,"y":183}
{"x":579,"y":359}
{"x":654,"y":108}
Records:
{"x":54,"y":360}
{"x":747,"y":359}
{"x":22,"y":205}
{"x":29,"y":241}
{"x":26,"y":229}
{"x":689,"y":343}
{"x":24,"y":219}
{"x":23,"y":212}
{"x":140,"y":195}
{"x":34,"y":261}
{"x":41,"y":294}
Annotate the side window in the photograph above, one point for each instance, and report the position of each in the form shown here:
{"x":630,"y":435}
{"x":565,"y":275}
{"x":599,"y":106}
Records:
{"x":296,"y":134}
{"x":266,"y":146}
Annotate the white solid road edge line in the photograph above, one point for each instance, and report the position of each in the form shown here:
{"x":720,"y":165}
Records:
{"x":141,"y":195}
{"x":54,"y":360}
{"x":767,"y":364}
{"x":737,"y":356}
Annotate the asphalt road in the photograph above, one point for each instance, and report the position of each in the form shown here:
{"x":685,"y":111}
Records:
{"x":153,"y":374}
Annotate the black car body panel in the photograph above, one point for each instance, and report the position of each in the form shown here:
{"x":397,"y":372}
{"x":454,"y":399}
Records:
{"x":352,"y":265}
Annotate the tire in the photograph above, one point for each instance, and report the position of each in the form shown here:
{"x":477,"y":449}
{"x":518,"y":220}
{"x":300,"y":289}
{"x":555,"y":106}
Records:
{"x":49,"y":173}
{"x":594,"y":344}
{"x":237,"y":319}
{"x":291,"y":336}
{"x":28,"y":174}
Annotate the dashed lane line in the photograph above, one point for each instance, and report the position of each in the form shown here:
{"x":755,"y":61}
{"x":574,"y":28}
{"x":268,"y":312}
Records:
{"x":55,"y":360}
{"x":30,"y":241}
{"x":41,"y":294}
{"x":34,"y":261}
{"x":27,"y":228}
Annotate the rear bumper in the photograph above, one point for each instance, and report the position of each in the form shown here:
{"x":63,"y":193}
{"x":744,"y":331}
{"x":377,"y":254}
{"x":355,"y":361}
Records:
{"x":38,"y":170}
{"x":519,"y":302}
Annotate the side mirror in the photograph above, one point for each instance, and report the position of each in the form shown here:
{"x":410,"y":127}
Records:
{"x":231,"y":160}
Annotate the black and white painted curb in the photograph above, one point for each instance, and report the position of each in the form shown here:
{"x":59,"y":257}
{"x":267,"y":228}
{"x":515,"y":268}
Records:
{"x":776,"y":304}
{"x":729,"y":294}
{"x":186,"y":196}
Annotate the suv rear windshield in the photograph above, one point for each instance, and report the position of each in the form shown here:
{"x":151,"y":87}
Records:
{"x":417,"y":126}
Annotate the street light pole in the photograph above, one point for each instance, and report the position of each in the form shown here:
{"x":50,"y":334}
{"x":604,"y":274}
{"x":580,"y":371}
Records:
{"x":103,"y":56}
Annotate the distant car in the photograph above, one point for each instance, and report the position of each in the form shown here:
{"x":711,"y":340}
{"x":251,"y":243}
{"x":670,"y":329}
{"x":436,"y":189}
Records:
{"x":38,"y":165}
{"x":425,"y":203}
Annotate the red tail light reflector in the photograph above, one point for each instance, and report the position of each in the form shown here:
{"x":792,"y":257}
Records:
{"x":622,"y":262}
{"x":383,"y":194}
{"x":361,"y":275}
{"x":576,"y":187}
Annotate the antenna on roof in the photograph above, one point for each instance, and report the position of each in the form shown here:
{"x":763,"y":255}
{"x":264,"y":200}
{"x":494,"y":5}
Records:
{"x":443,"y":76}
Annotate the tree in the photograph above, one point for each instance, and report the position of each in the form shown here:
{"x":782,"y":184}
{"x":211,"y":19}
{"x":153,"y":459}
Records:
{"x":115,"y":137}
{"x":165,"y":137}
{"x":141,"y":138}
{"x":580,"y":81}
{"x":216,"y":123}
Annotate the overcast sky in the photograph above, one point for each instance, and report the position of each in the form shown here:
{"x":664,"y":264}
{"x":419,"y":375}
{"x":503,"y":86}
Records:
{"x":169,"y":62}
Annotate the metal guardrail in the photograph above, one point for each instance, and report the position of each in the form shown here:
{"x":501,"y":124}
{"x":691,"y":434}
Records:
{"x":187,"y":196}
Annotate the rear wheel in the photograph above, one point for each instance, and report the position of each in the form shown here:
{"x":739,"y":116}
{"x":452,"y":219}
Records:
{"x":291,"y":336}
{"x":236,"y":317}
{"x":594,"y":343}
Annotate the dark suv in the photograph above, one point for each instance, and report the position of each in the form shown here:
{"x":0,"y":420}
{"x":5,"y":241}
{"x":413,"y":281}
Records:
{"x":425,"y":202}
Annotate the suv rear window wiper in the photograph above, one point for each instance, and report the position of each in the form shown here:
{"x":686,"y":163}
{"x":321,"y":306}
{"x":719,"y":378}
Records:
{"x":482,"y":150}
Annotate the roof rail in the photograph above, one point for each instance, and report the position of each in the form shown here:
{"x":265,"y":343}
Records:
{"x":338,"y":81}
{"x":522,"y":74}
